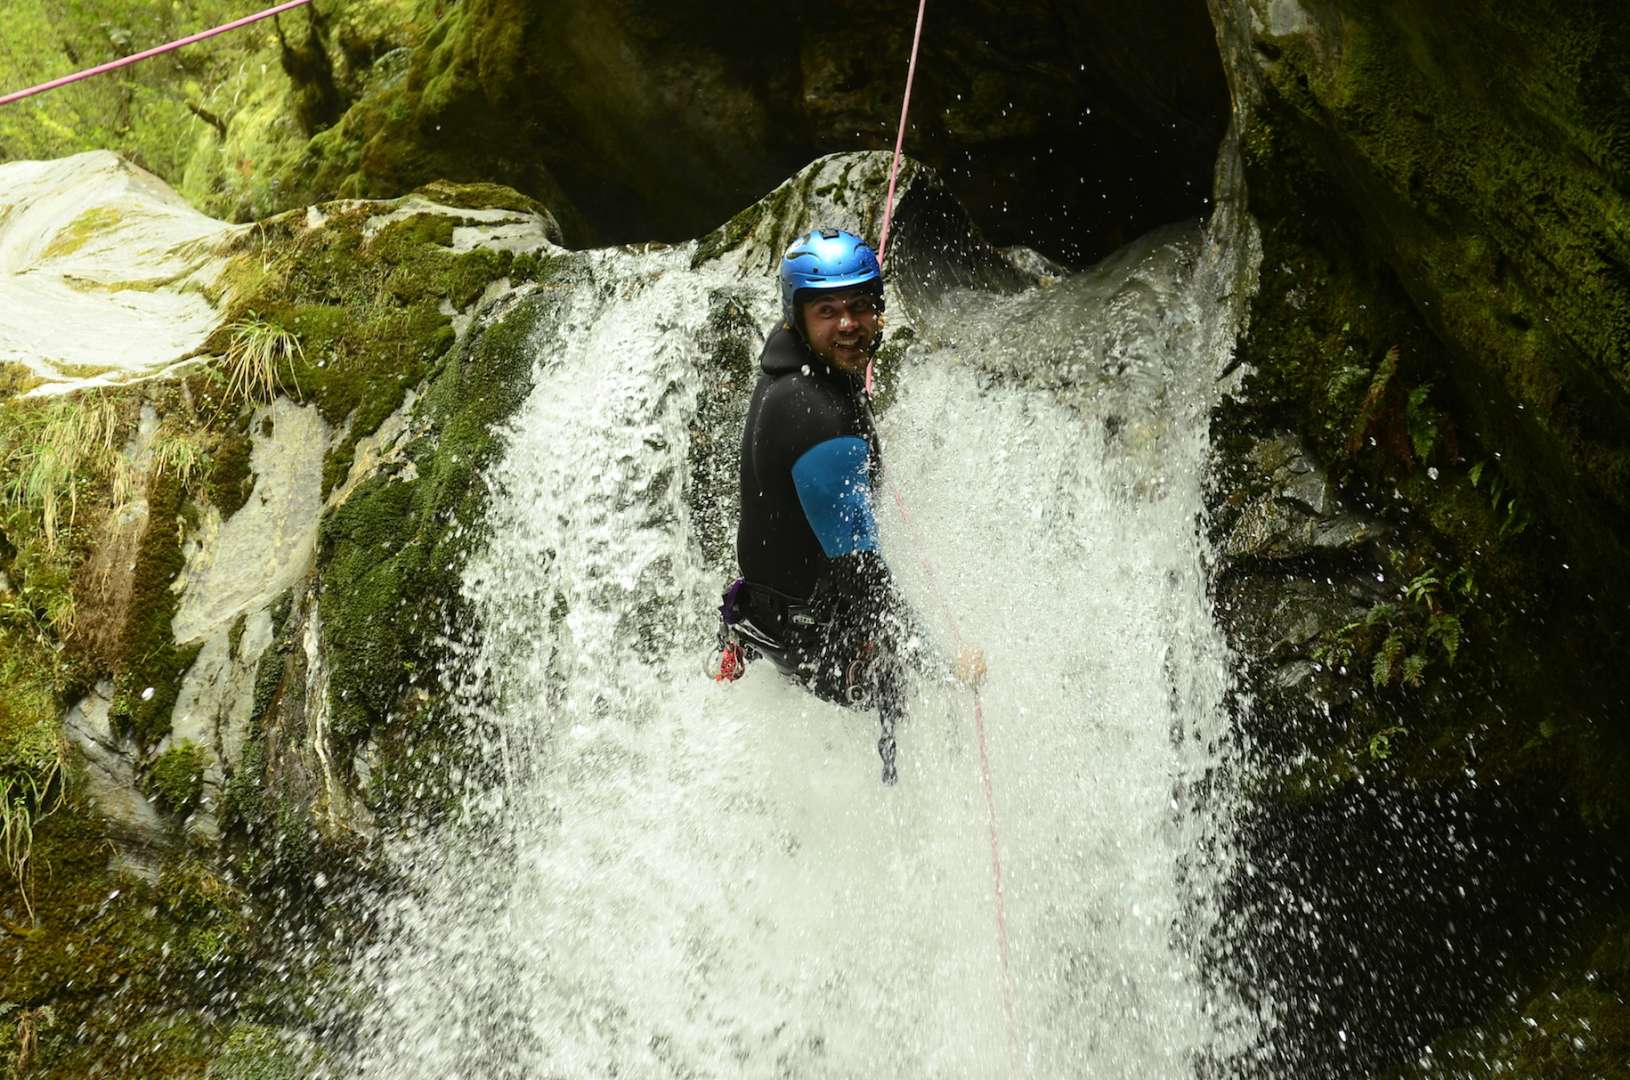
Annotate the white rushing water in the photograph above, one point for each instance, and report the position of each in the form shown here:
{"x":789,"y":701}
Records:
{"x":688,"y":879}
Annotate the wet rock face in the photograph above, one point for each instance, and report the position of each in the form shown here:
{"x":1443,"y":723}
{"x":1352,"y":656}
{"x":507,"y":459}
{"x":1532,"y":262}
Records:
{"x":1289,"y":510}
{"x":641,"y":122}
{"x":1296,"y":564}
{"x":1440,"y":321}
{"x":1407,"y":816}
{"x":1479,"y":163}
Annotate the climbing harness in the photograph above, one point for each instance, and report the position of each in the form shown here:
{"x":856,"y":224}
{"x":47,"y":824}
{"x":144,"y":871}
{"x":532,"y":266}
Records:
{"x":126,"y":61}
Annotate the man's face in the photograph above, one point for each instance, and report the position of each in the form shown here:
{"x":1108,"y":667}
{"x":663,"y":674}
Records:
{"x":841,"y":326}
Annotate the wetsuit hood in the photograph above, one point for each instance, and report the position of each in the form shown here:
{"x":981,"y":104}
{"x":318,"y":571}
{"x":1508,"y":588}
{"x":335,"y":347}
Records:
{"x":785,"y":352}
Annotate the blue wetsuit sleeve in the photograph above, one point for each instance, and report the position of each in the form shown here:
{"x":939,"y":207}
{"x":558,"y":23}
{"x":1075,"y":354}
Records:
{"x":834,"y":487}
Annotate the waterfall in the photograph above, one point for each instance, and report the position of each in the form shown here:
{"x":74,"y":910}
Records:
{"x":682,"y":878}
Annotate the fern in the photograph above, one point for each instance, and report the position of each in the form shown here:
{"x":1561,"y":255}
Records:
{"x":1386,"y":659}
{"x":1516,"y":519}
{"x":1381,"y":613}
{"x":1380,"y":744}
{"x":1423,"y":589}
{"x":1422,"y":421}
{"x":1446,"y":631}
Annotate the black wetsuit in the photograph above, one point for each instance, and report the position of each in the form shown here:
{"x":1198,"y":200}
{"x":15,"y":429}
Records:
{"x":818,"y":599}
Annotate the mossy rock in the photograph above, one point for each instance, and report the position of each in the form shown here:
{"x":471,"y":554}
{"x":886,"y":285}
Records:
{"x":369,"y":313}
{"x":1575,"y":1028}
{"x":258,"y":1052}
{"x":1493,"y":215}
{"x":392,"y":552}
{"x":151,"y":664}
{"x":175,"y":778}
{"x":129,"y":969}
{"x":481,"y":196}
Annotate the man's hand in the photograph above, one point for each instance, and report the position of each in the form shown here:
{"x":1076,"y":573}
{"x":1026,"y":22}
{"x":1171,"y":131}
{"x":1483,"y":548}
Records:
{"x":970,"y":667}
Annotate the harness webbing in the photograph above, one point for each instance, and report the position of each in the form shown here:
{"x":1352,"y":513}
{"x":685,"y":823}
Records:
{"x":126,"y":61}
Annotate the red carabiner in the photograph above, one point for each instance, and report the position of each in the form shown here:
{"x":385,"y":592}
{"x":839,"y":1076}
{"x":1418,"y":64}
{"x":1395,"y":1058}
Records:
{"x":732,"y":663}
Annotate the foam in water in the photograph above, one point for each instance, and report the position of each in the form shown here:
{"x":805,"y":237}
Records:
{"x":689,"y":879}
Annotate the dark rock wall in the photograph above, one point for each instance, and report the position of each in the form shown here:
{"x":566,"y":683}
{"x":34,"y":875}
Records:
{"x":1071,"y":127}
{"x":1437,"y":698}
{"x":1481,"y":155}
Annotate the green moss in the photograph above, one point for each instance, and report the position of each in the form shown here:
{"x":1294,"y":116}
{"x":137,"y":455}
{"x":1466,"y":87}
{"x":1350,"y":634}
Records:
{"x":258,"y":1052}
{"x":728,"y":236}
{"x":1416,"y":325}
{"x":368,"y":312}
{"x":130,"y":970}
{"x":780,"y":209}
{"x":1496,"y":204}
{"x":480,"y":196}
{"x":453,"y":87}
{"x":1576,"y":1027}
{"x":393,"y":551}
{"x":396,"y":242}
{"x":279,"y":843}
{"x":175,"y":778}
{"x":151,"y":665}
{"x":268,"y":678}
{"x":891,"y":359}
{"x":31,"y":749}
{"x":77,"y":233}
{"x":234,"y":635}
{"x":230,"y":481}
{"x":731,"y":343}
{"x":1339,"y":353}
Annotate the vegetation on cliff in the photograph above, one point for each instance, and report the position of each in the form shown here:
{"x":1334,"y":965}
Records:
{"x":131,"y":952}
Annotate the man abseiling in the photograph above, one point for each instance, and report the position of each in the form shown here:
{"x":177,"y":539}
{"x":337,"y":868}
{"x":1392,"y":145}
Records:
{"x":815,"y":596}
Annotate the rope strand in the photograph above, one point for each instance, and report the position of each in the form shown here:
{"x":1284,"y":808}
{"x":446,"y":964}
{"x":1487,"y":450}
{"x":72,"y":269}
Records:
{"x":126,"y":61}
{"x":956,"y":631}
{"x":900,"y":138}
{"x":894,"y":166}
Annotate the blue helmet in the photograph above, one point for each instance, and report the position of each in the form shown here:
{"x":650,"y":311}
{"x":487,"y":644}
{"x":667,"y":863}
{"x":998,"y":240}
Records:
{"x":826,"y":259}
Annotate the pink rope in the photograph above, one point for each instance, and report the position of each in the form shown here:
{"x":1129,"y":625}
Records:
{"x":900,"y":139}
{"x":894,"y":167}
{"x":939,"y":599}
{"x":990,"y":795}
{"x":996,"y":878}
{"x":125,"y":61}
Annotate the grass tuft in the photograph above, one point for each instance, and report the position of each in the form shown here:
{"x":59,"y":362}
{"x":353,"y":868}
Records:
{"x":181,"y":454}
{"x":31,"y":752}
{"x":50,"y":449}
{"x":256,"y":349}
